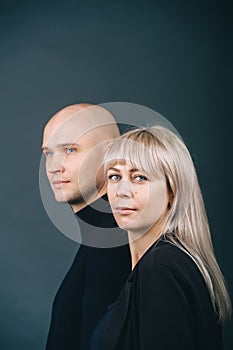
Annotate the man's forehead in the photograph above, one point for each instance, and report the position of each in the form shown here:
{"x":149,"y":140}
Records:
{"x":89,"y":126}
{"x":72,"y":128}
{"x":68,"y":135}
{"x":79,"y":122}
{"x":79,"y":115}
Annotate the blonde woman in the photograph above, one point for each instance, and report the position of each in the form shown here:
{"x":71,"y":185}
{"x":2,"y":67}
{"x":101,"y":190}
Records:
{"x":175,"y":296}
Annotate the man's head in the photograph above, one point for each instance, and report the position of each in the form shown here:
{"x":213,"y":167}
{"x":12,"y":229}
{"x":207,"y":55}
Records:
{"x":73,"y":143}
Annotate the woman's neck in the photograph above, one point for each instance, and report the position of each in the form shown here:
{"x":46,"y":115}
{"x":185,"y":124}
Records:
{"x":140,"y":245}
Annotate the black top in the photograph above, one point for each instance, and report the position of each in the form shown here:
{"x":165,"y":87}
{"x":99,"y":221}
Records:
{"x":94,"y":281}
{"x":164,"y":305}
{"x":97,"y":336}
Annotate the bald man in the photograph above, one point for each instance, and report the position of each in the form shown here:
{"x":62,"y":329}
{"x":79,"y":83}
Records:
{"x":74,"y":142}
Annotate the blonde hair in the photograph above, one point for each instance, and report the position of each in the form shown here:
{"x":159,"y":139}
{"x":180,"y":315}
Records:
{"x":159,"y":152}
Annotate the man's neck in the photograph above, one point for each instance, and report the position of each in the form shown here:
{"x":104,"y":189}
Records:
{"x":81,"y":205}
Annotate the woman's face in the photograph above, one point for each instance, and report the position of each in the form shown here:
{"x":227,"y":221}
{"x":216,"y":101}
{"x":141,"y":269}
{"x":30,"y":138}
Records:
{"x":136,"y":199}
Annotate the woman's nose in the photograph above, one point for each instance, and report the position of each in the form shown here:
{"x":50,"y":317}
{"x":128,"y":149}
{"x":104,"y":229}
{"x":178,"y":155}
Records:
{"x":124,"y":189}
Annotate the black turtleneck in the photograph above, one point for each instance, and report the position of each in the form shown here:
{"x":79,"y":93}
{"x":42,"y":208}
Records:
{"x":93,"y":281}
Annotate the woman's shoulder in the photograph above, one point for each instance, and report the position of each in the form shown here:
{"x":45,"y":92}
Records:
{"x":167,"y":270}
{"x":167,"y":258}
{"x":165,"y":252}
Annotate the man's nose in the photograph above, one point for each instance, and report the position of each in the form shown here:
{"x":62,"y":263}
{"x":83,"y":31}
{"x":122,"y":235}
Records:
{"x":124,"y":189}
{"x":56,"y":164}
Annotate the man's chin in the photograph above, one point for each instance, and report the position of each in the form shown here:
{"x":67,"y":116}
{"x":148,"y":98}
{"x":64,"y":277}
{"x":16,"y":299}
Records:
{"x":61,"y":199}
{"x":70,"y":199}
{"x":74,"y":201}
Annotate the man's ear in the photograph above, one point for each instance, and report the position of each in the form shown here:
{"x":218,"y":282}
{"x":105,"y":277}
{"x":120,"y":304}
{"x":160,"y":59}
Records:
{"x":100,"y":180}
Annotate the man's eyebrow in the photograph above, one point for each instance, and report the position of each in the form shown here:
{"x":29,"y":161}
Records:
{"x":67,"y":144}
{"x":61,"y":145}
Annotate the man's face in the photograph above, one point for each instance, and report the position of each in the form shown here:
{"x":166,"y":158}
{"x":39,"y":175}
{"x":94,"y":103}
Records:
{"x":72,"y":161}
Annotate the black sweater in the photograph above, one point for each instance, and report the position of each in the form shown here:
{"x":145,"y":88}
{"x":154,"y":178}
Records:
{"x":94,"y":281}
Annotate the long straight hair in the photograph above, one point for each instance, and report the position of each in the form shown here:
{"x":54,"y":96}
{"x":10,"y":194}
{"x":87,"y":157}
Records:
{"x":159,"y":152}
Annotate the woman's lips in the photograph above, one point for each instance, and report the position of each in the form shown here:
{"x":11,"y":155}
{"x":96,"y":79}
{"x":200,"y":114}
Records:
{"x":124,"y":210}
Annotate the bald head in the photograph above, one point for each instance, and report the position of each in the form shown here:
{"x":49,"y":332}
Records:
{"x":73,"y":142}
{"x":79,"y":119}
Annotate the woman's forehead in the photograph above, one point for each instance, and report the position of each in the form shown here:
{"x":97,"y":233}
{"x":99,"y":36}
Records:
{"x":116,"y":164}
{"x":121,"y":161}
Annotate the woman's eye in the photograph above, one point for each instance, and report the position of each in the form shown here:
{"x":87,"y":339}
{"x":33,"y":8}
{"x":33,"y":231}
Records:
{"x":140,"y":178}
{"x":114,"y":178}
{"x":70,"y":150}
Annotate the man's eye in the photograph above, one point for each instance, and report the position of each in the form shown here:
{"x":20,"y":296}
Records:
{"x":48,"y":154}
{"x":114,"y":178}
{"x":140,"y":178}
{"x":70,"y":150}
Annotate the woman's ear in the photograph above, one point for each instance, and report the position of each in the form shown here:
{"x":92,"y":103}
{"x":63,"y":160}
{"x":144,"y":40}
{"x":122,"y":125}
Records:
{"x":170,"y":199}
{"x":170,"y":194}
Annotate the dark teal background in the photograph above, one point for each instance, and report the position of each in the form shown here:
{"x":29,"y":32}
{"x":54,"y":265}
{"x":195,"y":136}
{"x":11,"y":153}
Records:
{"x":172,"y":56}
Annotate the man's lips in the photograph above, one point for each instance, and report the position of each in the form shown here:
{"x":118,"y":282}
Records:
{"x":59,"y":183}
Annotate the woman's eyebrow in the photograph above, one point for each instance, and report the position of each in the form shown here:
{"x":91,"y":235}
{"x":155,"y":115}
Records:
{"x":131,"y":170}
{"x":114,"y":169}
